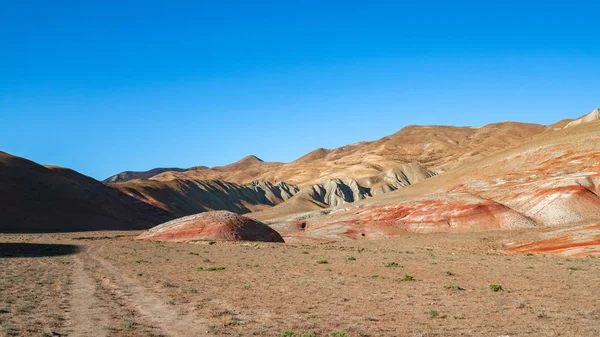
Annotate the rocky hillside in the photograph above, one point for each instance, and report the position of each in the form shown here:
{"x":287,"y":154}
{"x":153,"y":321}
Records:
{"x":551,"y":180}
{"x":181,"y":197}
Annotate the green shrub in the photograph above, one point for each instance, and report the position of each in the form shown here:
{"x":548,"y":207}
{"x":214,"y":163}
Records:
{"x":496,"y":287}
{"x":407,"y":278}
{"x":322,"y":262}
{"x":393,"y":265}
{"x":453,"y":286}
{"x":210,"y":268}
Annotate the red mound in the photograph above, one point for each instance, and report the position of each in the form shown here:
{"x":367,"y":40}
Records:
{"x":220,"y":225}
{"x":448,"y":213}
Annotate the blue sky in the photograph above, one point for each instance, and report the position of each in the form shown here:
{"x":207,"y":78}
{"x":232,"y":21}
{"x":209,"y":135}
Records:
{"x":107,"y":86}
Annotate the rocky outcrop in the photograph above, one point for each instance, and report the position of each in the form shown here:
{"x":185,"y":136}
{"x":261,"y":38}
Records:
{"x":334,"y":192}
{"x":181,"y":197}
{"x":218,"y":226}
{"x":394,"y":179}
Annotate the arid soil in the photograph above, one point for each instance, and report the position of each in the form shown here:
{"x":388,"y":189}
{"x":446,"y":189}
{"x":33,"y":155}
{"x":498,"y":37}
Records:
{"x":108,"y":284}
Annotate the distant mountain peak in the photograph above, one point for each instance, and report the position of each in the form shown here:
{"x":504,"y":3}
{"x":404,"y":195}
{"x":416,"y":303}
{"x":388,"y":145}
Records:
{"x":251,"y":159}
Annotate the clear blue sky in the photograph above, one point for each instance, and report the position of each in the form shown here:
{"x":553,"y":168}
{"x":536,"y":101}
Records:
{"x":107,"y":86}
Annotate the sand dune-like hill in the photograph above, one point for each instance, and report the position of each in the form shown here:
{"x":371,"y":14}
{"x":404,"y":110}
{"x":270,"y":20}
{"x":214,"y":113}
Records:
{"x":219,"y":226}
{"x":590,"y":117}
{"x":36,"y":198}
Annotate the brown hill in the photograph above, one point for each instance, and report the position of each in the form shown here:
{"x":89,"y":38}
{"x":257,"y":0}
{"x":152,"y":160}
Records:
{"x":35,"y":198}
{"x":437,"y":148}
{"x":130,"y":175}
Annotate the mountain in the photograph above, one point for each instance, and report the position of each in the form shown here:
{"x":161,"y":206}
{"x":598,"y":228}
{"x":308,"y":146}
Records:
{"x":550,"y":180}
{"x":130,"y":175}
{"x":436,"y":148}
{"x":35,"y":198}
{"x":420,"y":179}
{"x":325,"y":178}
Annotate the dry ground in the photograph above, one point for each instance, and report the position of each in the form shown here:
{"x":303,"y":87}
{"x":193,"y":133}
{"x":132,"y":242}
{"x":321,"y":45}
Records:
{"x":107,"y":284}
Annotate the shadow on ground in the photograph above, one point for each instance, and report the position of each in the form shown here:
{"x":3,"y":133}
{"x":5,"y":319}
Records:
{"x":14,"y":249}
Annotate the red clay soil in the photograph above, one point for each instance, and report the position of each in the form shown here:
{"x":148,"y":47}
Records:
{"x":576,"y":242}
{"x":218,"y":226}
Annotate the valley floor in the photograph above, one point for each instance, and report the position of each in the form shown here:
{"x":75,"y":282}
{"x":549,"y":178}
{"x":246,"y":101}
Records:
{"x":108,"y":284}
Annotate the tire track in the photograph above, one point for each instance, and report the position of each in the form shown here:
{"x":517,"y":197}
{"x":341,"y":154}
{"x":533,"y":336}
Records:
{"x":151,"y":306}
{"x":86,"y":315}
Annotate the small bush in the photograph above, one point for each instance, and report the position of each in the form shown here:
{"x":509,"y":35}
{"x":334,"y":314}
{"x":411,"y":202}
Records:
{"x":574,"y":268}
{"x":407,"y":278}
{"x":393,"y":265}
{"x":434,"y":313}
{"x":453,"y":286}
{"x":210,"y":268}
{"x":194,"y":253}
{"x":496,"y":287}
{"x":322,"y":262}
{"x":351,"y":258}
{"x":141,"y":261}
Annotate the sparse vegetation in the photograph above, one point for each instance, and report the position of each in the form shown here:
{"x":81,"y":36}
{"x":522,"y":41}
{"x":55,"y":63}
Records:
{"x":351,"y":258}
{"x":210,"y":268}
{"x":339,"y":334}
{"x":453,"y":286}
{"x":496,"y":287}
{"x":407,"y":278}
{"x":434,"y":313}
{"x":289,"y":333}
{"x":322,"y":262}
{"x":141,"y":261}
{"x":393,"y":265}
{"x":574,"y":268}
